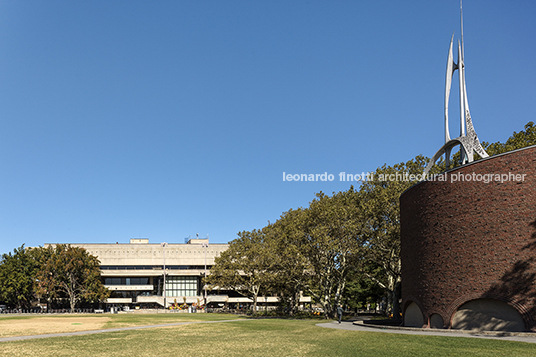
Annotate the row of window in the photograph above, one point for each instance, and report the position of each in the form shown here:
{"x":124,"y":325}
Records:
{"x":152,"y":252}
{"x":126,"y":281}
{"x":129,"y":294}
{"x":153,"y":267}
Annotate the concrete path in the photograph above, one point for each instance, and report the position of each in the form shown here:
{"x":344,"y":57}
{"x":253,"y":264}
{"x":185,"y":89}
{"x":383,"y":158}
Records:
{"x":359,"y":326}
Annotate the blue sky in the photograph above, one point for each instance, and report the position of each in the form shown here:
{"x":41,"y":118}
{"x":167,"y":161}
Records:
{"x":126,"y":119}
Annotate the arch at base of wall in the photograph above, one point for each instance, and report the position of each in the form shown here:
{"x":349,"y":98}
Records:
{"x":436,"y":321}
{"x":488,"y":315}
{"x":413,"y":316}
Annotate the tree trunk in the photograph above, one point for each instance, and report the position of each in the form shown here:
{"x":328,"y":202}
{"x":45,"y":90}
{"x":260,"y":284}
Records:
{"x":325,"y":305}
{"x":296,"y":301}
{"x":72,"y":301}
{"x":255,"y":292}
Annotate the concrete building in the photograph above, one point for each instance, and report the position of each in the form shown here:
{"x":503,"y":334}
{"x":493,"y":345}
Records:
{"x":134,"y":273}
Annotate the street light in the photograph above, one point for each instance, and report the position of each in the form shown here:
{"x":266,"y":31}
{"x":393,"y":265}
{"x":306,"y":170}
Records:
{"x":164,"y":245}
{"x":205,"y":245}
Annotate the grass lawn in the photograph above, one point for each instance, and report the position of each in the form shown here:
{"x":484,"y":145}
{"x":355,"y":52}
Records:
{"x":15,"y":325}
{"x":124,"y":320}
{"x":267,"y":337}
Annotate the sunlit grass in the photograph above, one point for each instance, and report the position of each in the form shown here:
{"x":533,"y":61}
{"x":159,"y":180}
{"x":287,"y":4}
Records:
{"x":124,"y":320}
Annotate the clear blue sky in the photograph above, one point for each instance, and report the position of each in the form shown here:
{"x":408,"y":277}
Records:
{"x":124,"y":119}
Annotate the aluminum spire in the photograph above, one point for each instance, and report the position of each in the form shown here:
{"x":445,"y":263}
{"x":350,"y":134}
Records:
{"x":468,"y":140}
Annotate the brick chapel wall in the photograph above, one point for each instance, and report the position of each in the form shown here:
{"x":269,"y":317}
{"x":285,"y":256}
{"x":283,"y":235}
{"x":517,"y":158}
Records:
{"x":463,"y":240}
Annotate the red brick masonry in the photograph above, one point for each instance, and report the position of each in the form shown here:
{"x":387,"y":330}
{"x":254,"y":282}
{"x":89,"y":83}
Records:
{"x":463,"y":240}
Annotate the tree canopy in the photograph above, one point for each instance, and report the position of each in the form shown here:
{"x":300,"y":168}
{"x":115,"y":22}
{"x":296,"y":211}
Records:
{"x":17,"y":277}
{"x":54,"y":273}
{"x":243,"y":266}
{"x":71,"y":272}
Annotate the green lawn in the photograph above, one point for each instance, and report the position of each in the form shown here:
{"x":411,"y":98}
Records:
{"x":267,"y":337}
{"x":123,"y":320}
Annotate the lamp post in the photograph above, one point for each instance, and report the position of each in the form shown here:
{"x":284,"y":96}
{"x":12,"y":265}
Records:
{"x":205,"y":245}
{"x":164,"y":245}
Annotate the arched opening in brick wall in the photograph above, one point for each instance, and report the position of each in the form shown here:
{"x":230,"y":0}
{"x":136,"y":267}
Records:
{"x":413,"y":316}
{"x":487,"y":315}
{"x":436,"y":321}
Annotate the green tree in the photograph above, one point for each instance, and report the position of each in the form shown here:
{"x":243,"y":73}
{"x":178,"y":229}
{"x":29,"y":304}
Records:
{"x":332,"y":244}
{"x":312,"y":250}
{"x":381,"y":207}
{"x":17,"y":277}
{"x":244,"y":266}
{"x":361,"y":290}
{"x":70,"y":272}
{"x":289,"y":265}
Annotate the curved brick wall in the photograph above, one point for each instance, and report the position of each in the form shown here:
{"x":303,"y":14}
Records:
{"x":466,"y":240}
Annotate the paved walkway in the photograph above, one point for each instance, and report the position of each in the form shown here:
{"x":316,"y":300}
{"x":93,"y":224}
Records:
{"x":359,"y":326}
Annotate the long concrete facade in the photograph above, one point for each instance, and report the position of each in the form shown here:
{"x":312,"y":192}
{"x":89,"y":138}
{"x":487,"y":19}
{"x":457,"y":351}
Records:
{"x":134,"y":272}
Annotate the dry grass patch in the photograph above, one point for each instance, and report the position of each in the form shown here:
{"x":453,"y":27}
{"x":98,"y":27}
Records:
{"x":21,"y":325}
{"x":50,"y":324}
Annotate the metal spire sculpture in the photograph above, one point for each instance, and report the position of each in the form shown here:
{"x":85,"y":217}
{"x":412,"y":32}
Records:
{"x":468,"y":140}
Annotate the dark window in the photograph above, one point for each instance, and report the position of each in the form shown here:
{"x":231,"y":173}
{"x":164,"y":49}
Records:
{"x":126,"y":281}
